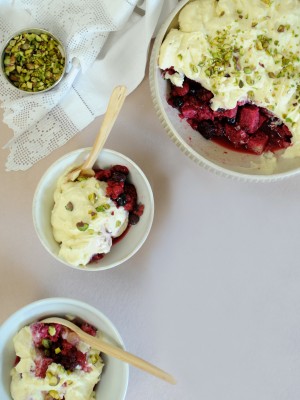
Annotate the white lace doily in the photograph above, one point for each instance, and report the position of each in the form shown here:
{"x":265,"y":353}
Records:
{"x":97,"y":35}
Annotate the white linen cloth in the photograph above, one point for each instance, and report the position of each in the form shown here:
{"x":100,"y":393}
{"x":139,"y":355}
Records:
{"x":107,"y":43}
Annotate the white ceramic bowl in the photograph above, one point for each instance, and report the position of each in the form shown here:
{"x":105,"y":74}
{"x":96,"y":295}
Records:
{"x":205,"y":152}
{"x":114,"y":380}
{"x":43,"y":203}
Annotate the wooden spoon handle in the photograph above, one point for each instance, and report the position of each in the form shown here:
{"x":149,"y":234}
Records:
{"x":114,"y":106}
{"x":114,"y":351}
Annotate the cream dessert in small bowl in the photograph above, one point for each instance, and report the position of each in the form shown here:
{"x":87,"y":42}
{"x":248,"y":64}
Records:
{"x":225,"y":82}
{"x":93,"y":223}
{"x":40,"y":361}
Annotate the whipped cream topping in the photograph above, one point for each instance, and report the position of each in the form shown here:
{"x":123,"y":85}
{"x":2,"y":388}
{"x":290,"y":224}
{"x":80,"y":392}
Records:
{"x":75,"y":385}
{"x":241,"y":51}
{"x":84,"y":220}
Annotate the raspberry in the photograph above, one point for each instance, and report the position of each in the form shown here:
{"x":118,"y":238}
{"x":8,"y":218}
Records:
{"x":180,"y":91}
{"x":41,"y":366}
{"x":131,"y":196}
{"x":96,"y":257}
{"x":120,"y":168}
{"x":103,"y":174}
{"x":89,"y":329}
{"x":114,"y":189}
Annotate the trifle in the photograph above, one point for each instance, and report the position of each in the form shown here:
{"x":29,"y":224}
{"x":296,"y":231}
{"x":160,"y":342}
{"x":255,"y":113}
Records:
{"x":234,"y":73}
{"x":92,"y":213}
{"x":52,"y":363}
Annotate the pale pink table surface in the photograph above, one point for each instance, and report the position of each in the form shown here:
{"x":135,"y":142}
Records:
{"x":213,"y":296}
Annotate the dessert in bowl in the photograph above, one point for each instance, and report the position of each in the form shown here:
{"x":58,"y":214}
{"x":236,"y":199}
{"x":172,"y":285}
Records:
{"x":95,"y":222}
{"x":225,"y":82}
{"x":51,"y":362}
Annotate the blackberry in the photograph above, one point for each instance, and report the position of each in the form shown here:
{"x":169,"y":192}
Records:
{"x":231,"y":121}
{"x":178,"y":101}
{"x":118,"y":176}
{"x":121,"y":200}
{"x":133,"y":219}
{"x":207,"y":129}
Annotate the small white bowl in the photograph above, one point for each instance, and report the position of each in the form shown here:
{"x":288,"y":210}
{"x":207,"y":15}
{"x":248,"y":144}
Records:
{"x":114,"y":379}
{"x":210,"y":155}
{"x":43,"y":204}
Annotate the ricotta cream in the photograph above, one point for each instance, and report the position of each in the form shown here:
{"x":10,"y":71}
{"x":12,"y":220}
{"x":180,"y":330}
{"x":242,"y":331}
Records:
{"x":84,"y":220}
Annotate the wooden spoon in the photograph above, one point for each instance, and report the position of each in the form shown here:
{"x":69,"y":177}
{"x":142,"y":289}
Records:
{"x":114,"y":106}
{"x":111,"y":350}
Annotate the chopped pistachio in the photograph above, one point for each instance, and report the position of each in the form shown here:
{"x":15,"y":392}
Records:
{"x":247,"y":70}
{"x":93,"y":214}
{"x":103,"y":207}
{"x":118,"y":223}
{"x":93,"y":358}
{"x":69,"y":206}
{"x":53,"y":381}
{"x":92,"y":198}
{"x":82,"y":226}
{"x":281,"y":28}
{"x":40,"y":55}
{"x":54,"y":394}
{"x":51,"y":330}
{"x":251,"y":94}
{"x":57,"y":350}
{"x":81,"y":178}
{"x":46,"y":343}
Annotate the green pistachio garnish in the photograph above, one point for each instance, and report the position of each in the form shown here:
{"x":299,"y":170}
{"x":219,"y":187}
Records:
{"x":46,"y":343}
{"x":103,"y":207}
{"x":51,"y":330}
{"x":251,"y":94}
{"x":57,"y":350}
{"x":69,"y":206}
{"x":53,"y":380}
{"x":281,"y":28}
{"x":54,"y":394}
{"x":93,"y":358}
{"x":247,"y":70}
{"x":33,"y":62}
{"x":82,"y":226}
{"x":81,"y":178}
{"x":93,"y":214}
{"x":92,"y":198}
{"x":118,"y":223}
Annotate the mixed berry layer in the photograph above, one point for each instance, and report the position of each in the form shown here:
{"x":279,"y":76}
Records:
{"x":122,"y":193}
{"x":246,"y":127}
{"x":55,"y":343}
